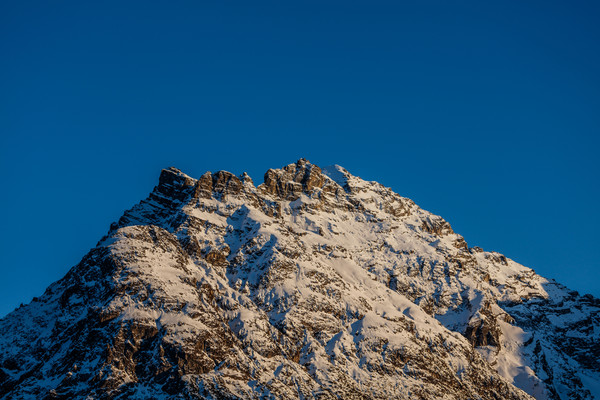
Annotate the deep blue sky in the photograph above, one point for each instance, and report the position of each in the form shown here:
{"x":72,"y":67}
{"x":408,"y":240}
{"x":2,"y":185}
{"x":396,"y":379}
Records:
{"x":487,"y":113}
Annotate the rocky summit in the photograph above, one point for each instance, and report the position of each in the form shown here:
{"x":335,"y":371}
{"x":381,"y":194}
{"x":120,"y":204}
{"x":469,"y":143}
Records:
{"x":315,"y":284}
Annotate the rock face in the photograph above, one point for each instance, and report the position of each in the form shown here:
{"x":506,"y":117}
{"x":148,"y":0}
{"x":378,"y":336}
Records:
{"x":315,"y":284}
{"x":293,"y":180}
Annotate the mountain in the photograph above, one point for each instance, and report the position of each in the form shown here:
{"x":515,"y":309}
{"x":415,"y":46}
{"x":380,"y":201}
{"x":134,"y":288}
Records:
{"x":314,"y":284}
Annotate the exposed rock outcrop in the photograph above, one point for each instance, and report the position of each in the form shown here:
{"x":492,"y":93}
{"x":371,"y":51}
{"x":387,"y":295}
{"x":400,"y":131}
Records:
{"x":315,"y":284}
{"x":293,"y":179}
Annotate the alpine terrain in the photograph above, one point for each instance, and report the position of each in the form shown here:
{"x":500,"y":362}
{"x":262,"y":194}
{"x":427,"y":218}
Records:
{"x":315,"y":284}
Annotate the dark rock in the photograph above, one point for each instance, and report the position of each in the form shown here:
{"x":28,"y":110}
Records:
{"x":293,"y":179}
{"x":204,"y":186}
{"x":437,"y":226}
{"x":226,"y":183}
{"x":175,"y":184}
{"x":245,"y":178}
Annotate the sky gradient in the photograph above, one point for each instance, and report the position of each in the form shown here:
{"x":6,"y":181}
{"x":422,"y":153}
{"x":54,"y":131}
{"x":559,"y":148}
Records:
{"x":484,"y":113}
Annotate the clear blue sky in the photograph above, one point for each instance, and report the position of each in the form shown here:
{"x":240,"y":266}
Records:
{"x":487,"y":113}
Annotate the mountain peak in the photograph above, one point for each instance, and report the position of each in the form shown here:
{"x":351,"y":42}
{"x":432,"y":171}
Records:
{"x":316,"y":284}
{"x":293,"y":179}
{"x":174,"y":183}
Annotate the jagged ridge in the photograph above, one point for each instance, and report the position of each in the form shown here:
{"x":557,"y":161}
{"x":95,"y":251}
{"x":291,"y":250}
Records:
{"x":314,"y":284}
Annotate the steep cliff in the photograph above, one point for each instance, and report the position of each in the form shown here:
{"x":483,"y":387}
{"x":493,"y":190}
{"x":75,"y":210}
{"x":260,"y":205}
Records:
{"x":314,"y":284}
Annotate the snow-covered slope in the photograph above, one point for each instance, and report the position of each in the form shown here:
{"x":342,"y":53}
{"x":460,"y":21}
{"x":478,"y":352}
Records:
{"x":315,"y":284}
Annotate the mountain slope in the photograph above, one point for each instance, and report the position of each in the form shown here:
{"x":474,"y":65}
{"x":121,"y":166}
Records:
{"x":315,"y":284}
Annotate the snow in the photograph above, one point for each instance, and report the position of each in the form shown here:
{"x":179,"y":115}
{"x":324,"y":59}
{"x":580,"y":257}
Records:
{"x":510,"y":363}
{"x":336,"y":173}
{"x":345,"y":289}
{"x":210,"y":217}
{"x":591,"y":381}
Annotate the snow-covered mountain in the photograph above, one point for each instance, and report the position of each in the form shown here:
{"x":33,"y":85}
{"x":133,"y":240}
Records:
{"x":315,"y":284}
